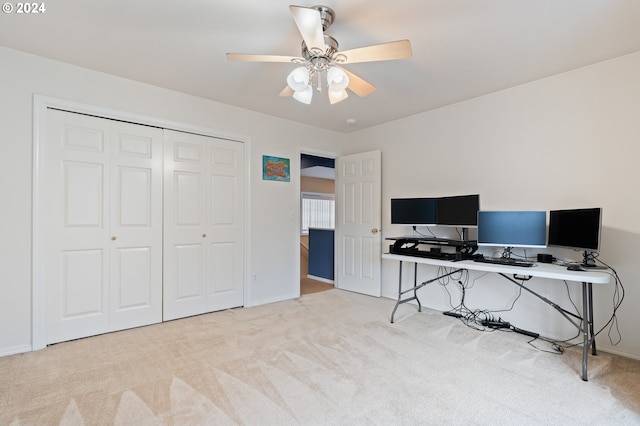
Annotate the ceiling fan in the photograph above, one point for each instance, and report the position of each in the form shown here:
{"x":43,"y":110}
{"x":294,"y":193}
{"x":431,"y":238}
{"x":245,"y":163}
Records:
{"x":320,"y":60}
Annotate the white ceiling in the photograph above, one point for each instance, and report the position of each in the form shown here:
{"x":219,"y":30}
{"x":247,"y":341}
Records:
{"x":461,"y":48}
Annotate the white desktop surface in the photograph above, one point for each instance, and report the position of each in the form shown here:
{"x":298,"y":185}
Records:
{"x":541,"y":270}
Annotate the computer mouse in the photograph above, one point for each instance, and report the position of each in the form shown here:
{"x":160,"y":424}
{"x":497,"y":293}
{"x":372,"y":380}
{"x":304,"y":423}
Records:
{"x":575,"y":268}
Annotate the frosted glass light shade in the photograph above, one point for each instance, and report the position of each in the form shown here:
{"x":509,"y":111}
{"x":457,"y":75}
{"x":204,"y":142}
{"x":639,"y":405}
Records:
{"x":298,"y":79}
{"x":337,"y":79}
{"x":304,"y":95}
{"x":337,"y":96}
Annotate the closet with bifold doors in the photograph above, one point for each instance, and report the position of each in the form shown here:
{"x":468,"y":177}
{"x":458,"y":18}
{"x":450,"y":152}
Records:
{"x":118,"y":207}
{"x":203,"y":217}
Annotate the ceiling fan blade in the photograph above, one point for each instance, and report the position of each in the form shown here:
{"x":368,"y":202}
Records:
{"x":244,"y":57}
{"x":287,"y":91}
{"x":359,"y":86}
{"x":309,"y":24}
{"x":393,"y":50}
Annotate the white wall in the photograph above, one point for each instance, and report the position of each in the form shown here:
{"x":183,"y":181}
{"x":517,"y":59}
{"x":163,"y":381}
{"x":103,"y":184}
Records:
{"x":563,"y":142}
{"x":274,"y":236}
{"x":569,"y":141}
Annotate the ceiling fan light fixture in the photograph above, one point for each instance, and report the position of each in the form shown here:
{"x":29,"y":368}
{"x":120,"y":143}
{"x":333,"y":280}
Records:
{"x":336,"y":96}
{"x":320,"y":63}
{"x":298,"y":79}
{"x":304,"y":95}
{"x":337,"y":79}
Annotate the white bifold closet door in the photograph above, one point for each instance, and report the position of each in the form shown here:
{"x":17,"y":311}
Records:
{"x":203,"y":224}
{"x":100,"y":220}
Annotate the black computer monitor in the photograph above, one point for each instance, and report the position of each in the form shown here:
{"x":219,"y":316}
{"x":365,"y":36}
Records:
{"x":413,"y":211}
{"x":512,"y":229}
{"x":577,"y":229}
{"x":458,"y":210}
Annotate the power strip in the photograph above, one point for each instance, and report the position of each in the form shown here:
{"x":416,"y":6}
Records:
{"x":496,"y":324}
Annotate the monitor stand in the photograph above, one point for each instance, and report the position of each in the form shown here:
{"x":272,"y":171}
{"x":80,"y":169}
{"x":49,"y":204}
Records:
{"x":506,"y":254}
{"x":588,"y":261}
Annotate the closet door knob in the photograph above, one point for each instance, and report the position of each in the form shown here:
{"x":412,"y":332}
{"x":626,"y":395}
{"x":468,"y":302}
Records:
{"x":113,"y":238}
{"x":374,"y":231}
{"x":204,"y":235}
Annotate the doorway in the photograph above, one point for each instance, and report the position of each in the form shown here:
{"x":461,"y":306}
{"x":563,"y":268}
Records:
{"x":317,"y":211}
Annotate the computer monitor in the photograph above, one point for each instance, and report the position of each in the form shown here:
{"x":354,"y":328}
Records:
{"x":413,"y":211}
{"x":458,"y":210}
{"x":577,"y":229}
{"x":512,"y":229}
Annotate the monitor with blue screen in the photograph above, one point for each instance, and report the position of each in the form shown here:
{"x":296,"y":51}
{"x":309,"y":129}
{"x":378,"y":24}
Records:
{"x":509,"y":229}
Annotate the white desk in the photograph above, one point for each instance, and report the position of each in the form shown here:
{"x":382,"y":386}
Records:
{"x":540,"y":270}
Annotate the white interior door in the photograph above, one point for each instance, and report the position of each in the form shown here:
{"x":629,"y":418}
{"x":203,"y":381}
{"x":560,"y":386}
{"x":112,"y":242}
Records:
{"x":358,"y":237}
{"x":135,"y":261}
{"x":204,"y":216}
{"x":225,"y":288}
{"x":101,"y":225}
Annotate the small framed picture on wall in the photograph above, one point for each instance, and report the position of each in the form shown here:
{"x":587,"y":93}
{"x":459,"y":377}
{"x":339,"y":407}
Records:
{"x":275,"y":168}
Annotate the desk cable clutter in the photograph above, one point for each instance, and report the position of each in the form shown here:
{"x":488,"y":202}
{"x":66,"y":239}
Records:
{"x":483,"y":320}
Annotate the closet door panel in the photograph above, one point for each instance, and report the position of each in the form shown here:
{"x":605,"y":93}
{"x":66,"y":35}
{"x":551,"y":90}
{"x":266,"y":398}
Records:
{"x":189,"y":269}
{"x":204,"y":222}
{"x":83,"y":195}
{"x":134,"y":202}
{"x":226,"y":287}
{"x":187,"y":200}
{"x":222,"y":278}
{"x":74,"y":235}
{"x":133,"y":286}
{"x":82,"y":284}
{"x":185,"y":266}
{"x":135,"y":225}
{"x":101,"y":222}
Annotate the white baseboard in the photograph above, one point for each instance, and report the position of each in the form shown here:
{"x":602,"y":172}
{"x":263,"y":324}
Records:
{"x":324,"y":280}
{"x":270,"y":300}
{"x":15,"y":350}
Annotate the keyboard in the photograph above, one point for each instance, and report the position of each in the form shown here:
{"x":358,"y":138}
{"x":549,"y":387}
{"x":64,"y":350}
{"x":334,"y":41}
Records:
{"x":504,"y":261}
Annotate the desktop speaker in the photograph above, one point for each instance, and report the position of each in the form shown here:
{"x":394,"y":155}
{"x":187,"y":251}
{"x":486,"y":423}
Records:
{"x":545,"y":258}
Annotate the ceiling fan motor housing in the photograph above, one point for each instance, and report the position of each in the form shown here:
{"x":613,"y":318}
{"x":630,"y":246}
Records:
{"x":327,"y":15}
{"x":331,"y":47}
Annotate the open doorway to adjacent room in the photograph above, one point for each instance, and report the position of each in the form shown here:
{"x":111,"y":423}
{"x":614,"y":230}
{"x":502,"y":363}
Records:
{"x":317,"y":214}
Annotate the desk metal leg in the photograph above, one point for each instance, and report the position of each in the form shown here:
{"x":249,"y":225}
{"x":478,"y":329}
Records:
{"x":415,"y":286}
{"x":414,"y":289}
{"x":589,"y":338}
{"x":399,"y":291}
{"x":591,"y":332}
{"x":586,"y":333}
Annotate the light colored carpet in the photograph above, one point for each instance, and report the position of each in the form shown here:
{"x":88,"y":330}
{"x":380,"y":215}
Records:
{"x":328,"y":358}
